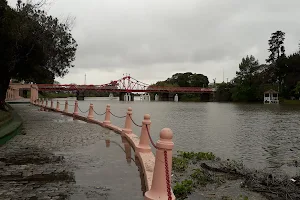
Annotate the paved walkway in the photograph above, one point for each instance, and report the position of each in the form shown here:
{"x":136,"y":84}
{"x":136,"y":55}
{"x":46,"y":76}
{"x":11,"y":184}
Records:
{"x":58,"y":158}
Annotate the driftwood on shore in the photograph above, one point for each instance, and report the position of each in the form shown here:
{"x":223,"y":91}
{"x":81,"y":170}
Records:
{"x":268,"y":185}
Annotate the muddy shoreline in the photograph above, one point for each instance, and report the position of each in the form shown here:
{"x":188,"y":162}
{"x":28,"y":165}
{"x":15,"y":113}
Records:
{"x":203,"y":176}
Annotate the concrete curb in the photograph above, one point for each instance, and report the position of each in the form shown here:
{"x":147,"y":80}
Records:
{"x":11,"y":128}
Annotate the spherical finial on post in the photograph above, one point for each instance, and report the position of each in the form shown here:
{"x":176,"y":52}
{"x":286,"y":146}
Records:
{"x":165,"y":139}
{"x":146,"y":117}
{"x":166,"y":134}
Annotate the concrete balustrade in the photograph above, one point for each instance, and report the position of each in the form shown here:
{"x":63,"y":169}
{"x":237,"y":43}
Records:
{"x":57,"y":106}
{"x":107,"y":116}
{"x":66,"y":107}
{"x":153,"y":167}
{"x":91,"y":112}
{"x":42,"y":105}
{"x":159,"y":182}
{"x":143,"y":145}
{"x":75,"y":109}
{"x":127,"y":129}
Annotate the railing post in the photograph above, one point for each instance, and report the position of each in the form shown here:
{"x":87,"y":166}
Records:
{"x":66,"y":106}
{"x":91,"y":112}
{"x":42,"y":105}
{"x":161,"y":182}
{"x":51,"y":103}
{"x":75,"y":108}
{"x":128,"y":129}
{"x":57,"y":106}
{"x":143,"y":145}
{"x":107,"y":115}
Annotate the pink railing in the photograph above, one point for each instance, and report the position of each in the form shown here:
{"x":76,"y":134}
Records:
{"x":157,"y":174}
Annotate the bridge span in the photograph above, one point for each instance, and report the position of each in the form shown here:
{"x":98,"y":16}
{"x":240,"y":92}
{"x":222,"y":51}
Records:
{"x":124,"y":86}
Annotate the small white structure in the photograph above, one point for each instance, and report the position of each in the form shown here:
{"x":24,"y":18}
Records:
{"x":176,"y":98}
{"x":271,"y":97}
{"x":127,"y":97}
{"x":145,"y":97}
{"x":156,"y":97}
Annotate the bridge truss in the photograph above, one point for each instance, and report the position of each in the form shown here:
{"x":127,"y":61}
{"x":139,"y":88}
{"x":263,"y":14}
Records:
{"x":126,"y":84}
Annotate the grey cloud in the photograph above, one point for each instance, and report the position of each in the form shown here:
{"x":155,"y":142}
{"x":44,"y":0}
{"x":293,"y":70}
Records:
{"x":194,"y":35}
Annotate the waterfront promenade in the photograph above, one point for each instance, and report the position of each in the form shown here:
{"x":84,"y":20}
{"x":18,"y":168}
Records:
{"x":57,"y":157}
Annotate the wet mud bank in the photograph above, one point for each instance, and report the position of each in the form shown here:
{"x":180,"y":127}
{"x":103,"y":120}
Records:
{"x":203,"y":176}
{"x":57,"y":157}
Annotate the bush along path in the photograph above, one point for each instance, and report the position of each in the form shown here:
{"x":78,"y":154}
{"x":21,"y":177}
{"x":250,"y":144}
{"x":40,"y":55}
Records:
{"x":204,"y":176}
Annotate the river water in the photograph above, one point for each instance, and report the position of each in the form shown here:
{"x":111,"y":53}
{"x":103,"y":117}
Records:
{"x":261,"y":136}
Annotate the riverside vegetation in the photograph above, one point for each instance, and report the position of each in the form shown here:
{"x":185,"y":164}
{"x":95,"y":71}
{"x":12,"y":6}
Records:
{"x":206,"y":173}
{"x":281,"y":72}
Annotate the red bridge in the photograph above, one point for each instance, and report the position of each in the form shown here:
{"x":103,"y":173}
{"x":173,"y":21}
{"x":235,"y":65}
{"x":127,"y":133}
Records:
{"x":127,"y":84}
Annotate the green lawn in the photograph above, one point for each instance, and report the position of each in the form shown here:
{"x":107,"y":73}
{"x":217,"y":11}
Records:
{"x":291,"y":102}
{"x":5,"y":117}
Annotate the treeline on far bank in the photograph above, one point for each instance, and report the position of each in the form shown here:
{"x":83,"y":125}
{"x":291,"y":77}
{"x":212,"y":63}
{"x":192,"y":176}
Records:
{"x":280,"y":73}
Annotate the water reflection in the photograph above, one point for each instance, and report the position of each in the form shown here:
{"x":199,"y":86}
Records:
{"x":262,"y":136}
{"x":128,"y":150}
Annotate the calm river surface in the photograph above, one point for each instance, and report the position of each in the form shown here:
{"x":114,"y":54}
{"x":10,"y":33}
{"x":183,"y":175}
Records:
{"x":262,"y":136}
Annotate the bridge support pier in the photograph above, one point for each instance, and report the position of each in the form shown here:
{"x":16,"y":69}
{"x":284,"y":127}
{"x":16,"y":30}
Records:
{"x":205,"y":97}
{"x":166,"y":97}
{"x":123,"y":96}
{"x":80,"y":95}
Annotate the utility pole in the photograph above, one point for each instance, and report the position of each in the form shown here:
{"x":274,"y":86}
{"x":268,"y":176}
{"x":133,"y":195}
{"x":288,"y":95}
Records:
{"x":223,"y":74}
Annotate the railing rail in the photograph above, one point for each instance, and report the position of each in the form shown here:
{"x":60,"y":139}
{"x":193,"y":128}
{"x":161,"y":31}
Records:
{"x":158,"y":185}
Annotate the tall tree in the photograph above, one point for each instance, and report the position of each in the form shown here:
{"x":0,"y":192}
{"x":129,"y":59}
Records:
{"x":246,"y":81}
{"x":276,"y":46}
{"x":277,"y":57}
{"x":35,"y":47}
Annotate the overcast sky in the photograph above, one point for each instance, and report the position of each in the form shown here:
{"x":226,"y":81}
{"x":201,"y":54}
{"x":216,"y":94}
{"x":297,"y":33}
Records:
{"x":153,"y":39}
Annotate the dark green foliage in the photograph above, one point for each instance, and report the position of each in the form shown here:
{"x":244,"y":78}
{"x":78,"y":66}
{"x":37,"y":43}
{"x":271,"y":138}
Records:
{"x":247,"y":81}
{"x":35,"y":47}
{"x":187,"y":79}
{"x":197,"y":156}
{"x":276,"y":46}
{"x":252,"y":80}
{"x":224,"y":92}
{"x":201,"y":177}
{"x":181,"y":161}
{"x":183,"y":189}
{"x":180,"y":164}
